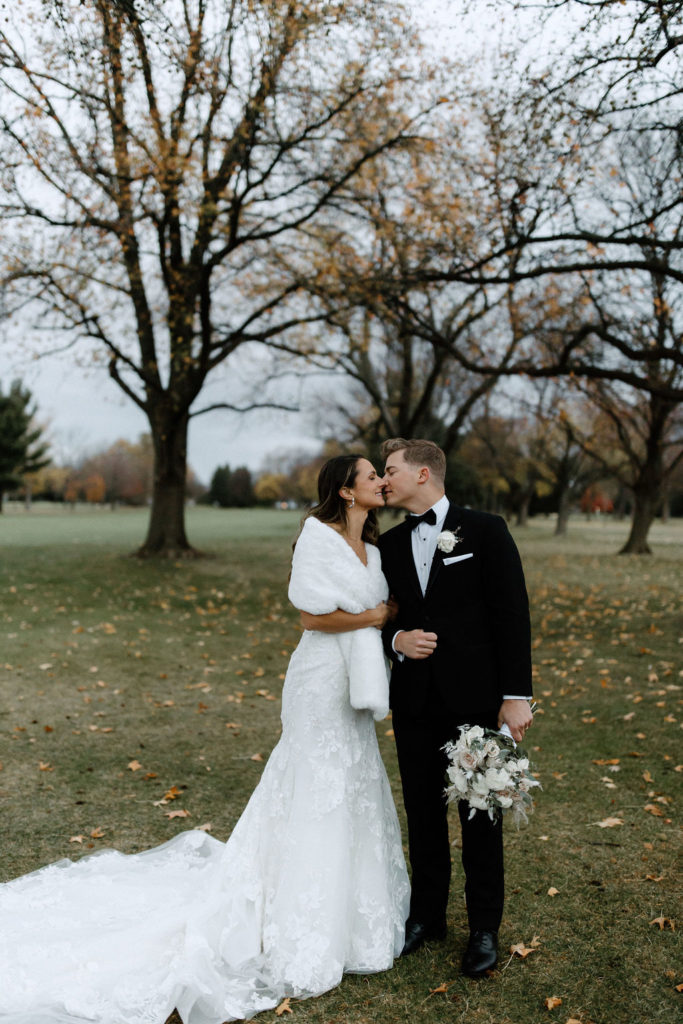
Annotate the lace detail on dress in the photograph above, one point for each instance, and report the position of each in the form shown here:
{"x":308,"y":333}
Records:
{"x":311,"y":883}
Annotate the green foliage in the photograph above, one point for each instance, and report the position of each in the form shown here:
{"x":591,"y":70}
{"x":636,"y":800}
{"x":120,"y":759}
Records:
{"x":21,"y":450}
{"x":231,"y":488}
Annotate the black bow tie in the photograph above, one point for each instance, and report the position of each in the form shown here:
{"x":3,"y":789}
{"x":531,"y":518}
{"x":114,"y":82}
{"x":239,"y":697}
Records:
{"x":427,"y":517}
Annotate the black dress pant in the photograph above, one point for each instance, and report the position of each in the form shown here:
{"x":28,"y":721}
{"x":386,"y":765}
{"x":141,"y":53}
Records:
{"x":422,"y":762}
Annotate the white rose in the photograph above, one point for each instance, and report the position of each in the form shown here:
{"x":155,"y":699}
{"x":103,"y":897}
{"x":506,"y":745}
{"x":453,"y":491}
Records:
{"x":478,"y":801}
{"x":504,"y":801}
{"x":474,"y":733}
{"x":480,"y":786}
{"x":497,"y":778}
{"x":446,"y":541}
{"x":458,"y":779}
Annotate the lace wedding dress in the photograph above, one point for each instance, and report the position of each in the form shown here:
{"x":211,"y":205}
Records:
{"x":311,"y":884}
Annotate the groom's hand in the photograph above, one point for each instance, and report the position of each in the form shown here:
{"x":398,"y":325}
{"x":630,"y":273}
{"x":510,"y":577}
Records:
{"x":518,"y":717}
{"x":415,"y":643}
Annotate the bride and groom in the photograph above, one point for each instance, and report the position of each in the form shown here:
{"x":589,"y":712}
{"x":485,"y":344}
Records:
{"x":312,"y":882}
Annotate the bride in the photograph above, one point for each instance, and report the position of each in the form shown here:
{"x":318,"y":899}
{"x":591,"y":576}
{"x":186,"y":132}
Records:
{"x":312,"y":882}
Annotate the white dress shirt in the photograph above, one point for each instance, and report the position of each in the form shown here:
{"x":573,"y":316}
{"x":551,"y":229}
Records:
{"x":423,"y":539}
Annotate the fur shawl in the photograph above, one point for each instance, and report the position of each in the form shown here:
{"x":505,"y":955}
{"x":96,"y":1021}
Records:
{"x":328,"y":575}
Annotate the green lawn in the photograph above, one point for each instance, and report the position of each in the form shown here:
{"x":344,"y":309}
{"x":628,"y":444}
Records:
{"x":122,"y":679}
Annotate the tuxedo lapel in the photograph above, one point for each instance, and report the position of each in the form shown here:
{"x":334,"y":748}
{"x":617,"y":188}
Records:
{"x":451,"y":521}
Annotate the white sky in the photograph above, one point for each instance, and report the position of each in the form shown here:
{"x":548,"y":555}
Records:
{"x":83,"y":410}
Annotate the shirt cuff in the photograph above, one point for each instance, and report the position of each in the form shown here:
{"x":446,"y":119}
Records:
{"x":514,"y":696}
{"x":397,"y":653}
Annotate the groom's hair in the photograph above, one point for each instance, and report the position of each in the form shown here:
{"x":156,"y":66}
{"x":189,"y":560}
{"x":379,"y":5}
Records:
{"x":418,"y":452}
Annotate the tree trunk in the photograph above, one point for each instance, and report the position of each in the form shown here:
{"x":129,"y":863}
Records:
{"x":644,"y":508}
{"x":563,"y":512}
{"x":523,"y":510}
{"x":166,"y":532}
{"x":665,"y":510}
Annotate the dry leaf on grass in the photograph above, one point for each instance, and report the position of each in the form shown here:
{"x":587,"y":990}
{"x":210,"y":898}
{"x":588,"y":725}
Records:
{"x":134,"y":765}
{"x":663,"y":922}
{"x":609,"y":822}
{"x":552,"y":1002}
{"x":256,"y":757}
{"x":552,"y":891}
{"x":519,"y":949}
{"x":177,"y":814}
{"x":284,"y":1007}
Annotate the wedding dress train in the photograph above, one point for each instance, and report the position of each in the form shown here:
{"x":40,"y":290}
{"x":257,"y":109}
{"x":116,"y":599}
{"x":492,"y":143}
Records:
{"x":311,"y":884}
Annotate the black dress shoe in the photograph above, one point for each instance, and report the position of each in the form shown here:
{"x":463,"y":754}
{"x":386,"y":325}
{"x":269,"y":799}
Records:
{"x":417,"y":934}
{"x":481,"y":954}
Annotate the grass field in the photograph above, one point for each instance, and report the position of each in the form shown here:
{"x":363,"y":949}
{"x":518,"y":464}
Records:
{"x":121,"y":680}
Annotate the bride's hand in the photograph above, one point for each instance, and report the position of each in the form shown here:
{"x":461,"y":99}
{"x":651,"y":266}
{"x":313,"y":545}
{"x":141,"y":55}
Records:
{"x":381,"y":614}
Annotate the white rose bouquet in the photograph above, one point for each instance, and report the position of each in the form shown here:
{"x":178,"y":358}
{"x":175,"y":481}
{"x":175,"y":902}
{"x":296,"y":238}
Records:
{"x":490,"y":773}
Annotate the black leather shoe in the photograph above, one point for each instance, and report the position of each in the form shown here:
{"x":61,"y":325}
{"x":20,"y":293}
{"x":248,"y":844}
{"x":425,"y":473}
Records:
{"x":481,"y":954}
{"x":417,"y":934}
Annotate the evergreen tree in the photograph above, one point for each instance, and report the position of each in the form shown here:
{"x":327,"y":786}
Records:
{"x":220,"y":489}
{"x":21,"y":450}
{"x":241,"y":488}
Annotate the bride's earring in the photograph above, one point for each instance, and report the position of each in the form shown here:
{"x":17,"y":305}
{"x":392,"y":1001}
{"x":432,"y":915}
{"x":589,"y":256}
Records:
{"x":351,"y":503}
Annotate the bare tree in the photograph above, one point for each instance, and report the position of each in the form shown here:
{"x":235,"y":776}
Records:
{"x":154,"y":153}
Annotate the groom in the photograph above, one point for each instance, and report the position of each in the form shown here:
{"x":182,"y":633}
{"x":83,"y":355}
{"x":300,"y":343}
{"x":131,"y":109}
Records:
{"x":461,"y":654}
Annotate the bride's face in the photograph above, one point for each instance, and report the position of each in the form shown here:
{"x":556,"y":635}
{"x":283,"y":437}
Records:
{"x":367,"y":487}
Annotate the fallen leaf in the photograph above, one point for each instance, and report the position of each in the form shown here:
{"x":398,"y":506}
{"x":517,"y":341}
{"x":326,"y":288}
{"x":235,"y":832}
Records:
{"x":654,"y":878}
{"x":653,"y":809}
{"x":76,"y":839}
{"x":608,"y":822}
{"x":522,"y":951}
{"x":177,"y":814}
{"x":284,"y":1007}
{"x":172,"y":793}
{"x":439,"y":990}
{"x":206,"y":827}
{"x":679,"y":988}
{"x":552,"y":891}
{"x":663,"y":922}
{"x":97,"y":833}
{"x":256,"y":757}
{"x":606,"y":760}
{"x":552,"y":1001}
{"x":45,"y":766}
{"x":134,"y":765}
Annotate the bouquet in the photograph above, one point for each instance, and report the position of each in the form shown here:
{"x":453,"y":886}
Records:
{"x":490,"y":773}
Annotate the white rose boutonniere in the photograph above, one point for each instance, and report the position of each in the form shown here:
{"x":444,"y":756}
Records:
{"x":447,"y":540}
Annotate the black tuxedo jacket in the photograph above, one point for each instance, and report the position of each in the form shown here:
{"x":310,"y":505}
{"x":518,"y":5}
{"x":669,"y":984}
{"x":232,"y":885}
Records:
{"x":477,"y":606}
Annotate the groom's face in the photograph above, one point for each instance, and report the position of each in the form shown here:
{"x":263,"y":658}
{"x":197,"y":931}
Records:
{"x":401,"y":481}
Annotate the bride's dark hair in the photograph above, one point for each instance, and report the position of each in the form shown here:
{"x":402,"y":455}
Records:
{"x":341,"y":471}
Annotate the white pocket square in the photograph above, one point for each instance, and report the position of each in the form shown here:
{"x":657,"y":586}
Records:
{"x":457,"y":558}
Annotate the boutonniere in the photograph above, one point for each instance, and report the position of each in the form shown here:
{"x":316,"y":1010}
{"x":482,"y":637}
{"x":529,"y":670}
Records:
{"x":447,"y":540}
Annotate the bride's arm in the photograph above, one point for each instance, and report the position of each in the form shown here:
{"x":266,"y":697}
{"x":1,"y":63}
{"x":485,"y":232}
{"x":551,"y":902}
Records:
{"x":344,"y":622}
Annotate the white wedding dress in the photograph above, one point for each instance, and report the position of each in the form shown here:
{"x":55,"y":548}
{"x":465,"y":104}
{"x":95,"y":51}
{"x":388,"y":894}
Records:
{"x":312,"y":882}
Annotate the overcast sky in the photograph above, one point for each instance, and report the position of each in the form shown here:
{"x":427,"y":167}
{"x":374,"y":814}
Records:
{"x":84,"y":410}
